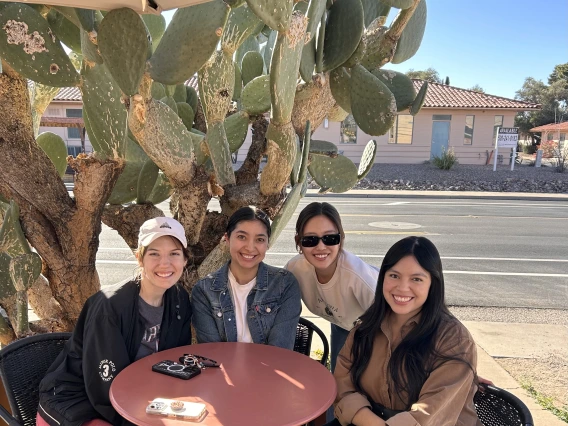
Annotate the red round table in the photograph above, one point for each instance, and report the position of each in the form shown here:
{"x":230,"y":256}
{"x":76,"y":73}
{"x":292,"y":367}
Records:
{"x":255,"y":385}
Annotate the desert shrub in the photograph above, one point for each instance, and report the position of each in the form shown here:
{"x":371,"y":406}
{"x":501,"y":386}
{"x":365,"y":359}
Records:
{"x":446,"y":160}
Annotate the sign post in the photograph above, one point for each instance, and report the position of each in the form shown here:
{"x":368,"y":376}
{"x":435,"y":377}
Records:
{"x":507,"y":137}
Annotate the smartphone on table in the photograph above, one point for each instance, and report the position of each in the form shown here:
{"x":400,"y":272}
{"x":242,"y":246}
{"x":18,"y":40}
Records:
{"x":182,"y":410}
{"x":174,"y":369}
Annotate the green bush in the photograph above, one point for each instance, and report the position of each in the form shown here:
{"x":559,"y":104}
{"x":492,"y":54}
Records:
{"x":529,"y":149}
{"x":446,"y":160}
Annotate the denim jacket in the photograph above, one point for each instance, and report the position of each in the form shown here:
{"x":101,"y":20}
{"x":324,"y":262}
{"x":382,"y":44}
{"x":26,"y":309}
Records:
{"x":274,"y":307}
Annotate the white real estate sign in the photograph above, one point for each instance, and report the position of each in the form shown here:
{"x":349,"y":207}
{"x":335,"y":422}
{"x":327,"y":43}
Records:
{"x":507,"y":137}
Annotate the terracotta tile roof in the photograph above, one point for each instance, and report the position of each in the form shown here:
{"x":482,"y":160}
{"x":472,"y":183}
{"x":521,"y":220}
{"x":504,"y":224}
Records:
{"x":74,"y":94}
{"x":551,"y":127}
{"x":68,"y":94}
{"x":442,"y":96}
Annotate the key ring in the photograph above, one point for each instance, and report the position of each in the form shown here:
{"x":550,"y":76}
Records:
{"x":198,"y":361}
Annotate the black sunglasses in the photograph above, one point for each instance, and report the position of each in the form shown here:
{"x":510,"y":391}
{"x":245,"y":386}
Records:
{"x":328,"y":240}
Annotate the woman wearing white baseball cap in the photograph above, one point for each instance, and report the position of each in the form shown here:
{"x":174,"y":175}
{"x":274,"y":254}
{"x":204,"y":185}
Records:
{"x":119,"y":325}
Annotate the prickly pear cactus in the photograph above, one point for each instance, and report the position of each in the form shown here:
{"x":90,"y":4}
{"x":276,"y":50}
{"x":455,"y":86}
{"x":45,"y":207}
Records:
{"x":273,"y":69}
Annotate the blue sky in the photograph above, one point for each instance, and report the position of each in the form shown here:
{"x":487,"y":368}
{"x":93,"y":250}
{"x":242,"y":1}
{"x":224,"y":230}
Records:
{"x":493,"y":43}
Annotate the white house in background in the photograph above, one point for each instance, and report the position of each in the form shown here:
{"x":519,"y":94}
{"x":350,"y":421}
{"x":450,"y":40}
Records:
{"x":450,"y":118}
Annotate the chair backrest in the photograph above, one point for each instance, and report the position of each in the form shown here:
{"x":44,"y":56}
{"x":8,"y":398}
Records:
{"x":23,"y":365}
{"x":304,"y":333}
{"x":497,"y":407}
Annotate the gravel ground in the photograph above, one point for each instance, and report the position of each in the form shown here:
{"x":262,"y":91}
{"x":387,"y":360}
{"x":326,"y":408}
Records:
{"x":517,"y":315}
{"x":426,"y":176}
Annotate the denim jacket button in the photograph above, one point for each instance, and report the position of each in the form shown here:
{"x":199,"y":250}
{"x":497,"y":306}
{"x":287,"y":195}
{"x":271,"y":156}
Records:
{"x":219,"y":314}
{"x":268,"y":310}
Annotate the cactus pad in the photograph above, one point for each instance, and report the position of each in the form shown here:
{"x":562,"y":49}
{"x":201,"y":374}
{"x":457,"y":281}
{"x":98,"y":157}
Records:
{"x":236,"y":129}
{"x":284,"y":69}
{"x":420,"y":98}
{"x":412,"y":35}
{"x":12,"y":238}
{"x":180,"y":93}
{"x":164,"y":137}
{"x":249,"y":45}
{"x":241,"y":24}
{"x":146,"y":181}
{"x":252,"y":66}
{"x":281,"y":151}
{"x":191,"y":98}
{"x":308,"y":60}
{"x":238,"y":89}
{"x":256,"y":96}
{"x":337,"y":114}
{"x":337,"y":174}
{"x":315,"y":12}
{"x":169,"y":101}
{"x":216,"y":84}
{"x":56,"y":150}
{"x":220,"y":154}
{"x":367,"y":159}
{"x":274,"y":13}
{"x":65,"y":30}
{"x":372,"y":104}
{"x":186,"y":114}
{"x":340,"y":85}
{"x":318,"y":147}
{"x":162,"y":190}
{"x":123,"y":44}
{"x":175,"y":60}
{"x":343,"y":32}
{"x":158,"y":91}
{"x":156,"y":25}
{"x":399,"y":4}
{"x":286,"y":212}
{"x":400,"y":86}
{"x":24,"y":270}
{"x":30,"y":47}
{"x":106,"y":114}
{"x":373,"y":9}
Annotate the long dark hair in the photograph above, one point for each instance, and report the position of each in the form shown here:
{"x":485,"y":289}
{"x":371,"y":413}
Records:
{"x":416,"y":356}
{"x":313,"y":210}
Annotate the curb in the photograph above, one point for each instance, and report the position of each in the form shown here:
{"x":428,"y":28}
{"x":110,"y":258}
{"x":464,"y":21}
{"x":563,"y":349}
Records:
{"x":457,"y":195}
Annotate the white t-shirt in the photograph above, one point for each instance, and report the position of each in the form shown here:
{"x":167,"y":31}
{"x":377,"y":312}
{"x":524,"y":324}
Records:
{"x":240,"y":294}
{"x":343,"y":299}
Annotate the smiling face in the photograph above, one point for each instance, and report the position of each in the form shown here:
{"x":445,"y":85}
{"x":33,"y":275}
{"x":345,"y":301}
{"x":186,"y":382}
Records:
{"x":406,"y":287}
{"x":162,"y":264}
{"x":248,"y":244}
{"x":322,"y":257}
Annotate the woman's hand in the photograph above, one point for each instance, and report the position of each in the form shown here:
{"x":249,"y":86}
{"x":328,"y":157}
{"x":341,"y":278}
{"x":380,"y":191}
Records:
{"x":365,"y":417}
{"x":481,"y":380}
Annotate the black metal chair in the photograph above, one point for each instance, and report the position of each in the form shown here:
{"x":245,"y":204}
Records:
{"x":23,"y":365}
{"x":304,"y":334}
{"x":497,"y":407}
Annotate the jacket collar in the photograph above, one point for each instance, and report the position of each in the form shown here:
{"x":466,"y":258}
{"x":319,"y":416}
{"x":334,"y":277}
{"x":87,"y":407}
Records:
{"x":221,"y":278}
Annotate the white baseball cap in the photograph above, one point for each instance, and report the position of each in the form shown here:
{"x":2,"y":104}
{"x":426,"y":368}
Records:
{"x":158,"y":227}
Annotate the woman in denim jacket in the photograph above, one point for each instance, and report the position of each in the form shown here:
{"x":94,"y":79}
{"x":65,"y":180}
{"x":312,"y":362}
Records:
{"x":247,"y":300}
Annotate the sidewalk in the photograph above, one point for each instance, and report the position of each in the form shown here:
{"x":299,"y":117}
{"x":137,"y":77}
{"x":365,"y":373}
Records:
{"x":458,"y":195}
{"x":500,"y":340}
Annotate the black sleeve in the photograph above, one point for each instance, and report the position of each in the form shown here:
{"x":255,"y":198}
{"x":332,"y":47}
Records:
{"x":104,"y":356}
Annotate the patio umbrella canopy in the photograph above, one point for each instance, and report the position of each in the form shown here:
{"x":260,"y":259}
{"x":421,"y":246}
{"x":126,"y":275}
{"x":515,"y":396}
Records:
{"x":140,"y":6}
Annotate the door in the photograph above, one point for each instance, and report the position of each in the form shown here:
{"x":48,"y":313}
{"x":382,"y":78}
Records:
{"x":440,"y":137}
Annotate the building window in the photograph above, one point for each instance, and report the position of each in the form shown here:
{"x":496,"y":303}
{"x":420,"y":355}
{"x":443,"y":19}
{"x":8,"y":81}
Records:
{"x":550,"y":136}
{"x":562,"y":137}
{"x":74,"y":132}
{"x":441,"y":117}
{"x":497,"y":122}
{"x":468,"y":132}
{"x":401,"y":131}
{"x":326,"y":123}
{"x":348,"y":130}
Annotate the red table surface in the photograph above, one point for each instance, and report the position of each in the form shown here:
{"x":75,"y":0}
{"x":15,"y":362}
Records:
{"x":255,"y":385}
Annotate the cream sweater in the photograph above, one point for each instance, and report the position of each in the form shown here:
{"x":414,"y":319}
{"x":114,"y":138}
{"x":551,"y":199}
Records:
{"x":345,"y":297}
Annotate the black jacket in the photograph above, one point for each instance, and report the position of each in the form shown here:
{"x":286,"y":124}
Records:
{"x":106,"y":340}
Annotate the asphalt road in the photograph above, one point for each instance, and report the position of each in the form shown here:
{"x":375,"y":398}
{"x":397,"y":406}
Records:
{"x":496,"y":253}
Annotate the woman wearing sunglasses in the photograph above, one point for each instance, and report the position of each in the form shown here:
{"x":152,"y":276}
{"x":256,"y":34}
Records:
{"x":247,"y":300}
{"x":335,"y":284}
